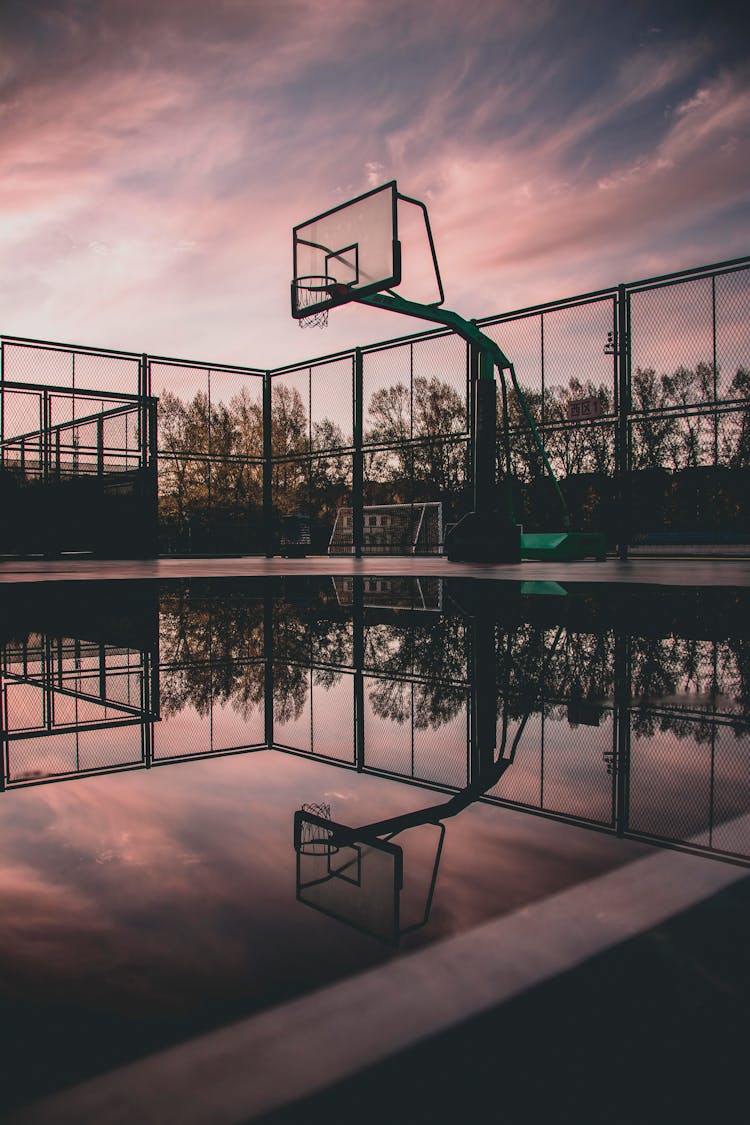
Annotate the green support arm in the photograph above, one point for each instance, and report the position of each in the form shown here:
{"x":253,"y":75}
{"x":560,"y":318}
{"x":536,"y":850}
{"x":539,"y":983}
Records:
{"x":468,"y":330}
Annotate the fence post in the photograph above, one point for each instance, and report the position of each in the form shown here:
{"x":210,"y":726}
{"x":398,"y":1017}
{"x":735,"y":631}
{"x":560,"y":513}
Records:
{"x":472,"y":380}
{"x":267,"y":468}
{"x":623,"y":702}
{"x":358,"y":628}
{"x":144,"y":392}
{"x":152,"y":417}
{"x":358,"y":518}
{"x":268,"y":658}
{"x":148,"y":450}
{"x":45,"y":442}
{"x":623,"y":422}
{"x":99,"y":449}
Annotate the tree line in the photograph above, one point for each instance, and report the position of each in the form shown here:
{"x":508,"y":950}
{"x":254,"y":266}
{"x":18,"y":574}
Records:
{"x":210,"y":479}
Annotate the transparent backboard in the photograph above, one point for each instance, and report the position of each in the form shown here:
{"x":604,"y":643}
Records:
{"x":358,"y":883}
{"x":355,"y":245}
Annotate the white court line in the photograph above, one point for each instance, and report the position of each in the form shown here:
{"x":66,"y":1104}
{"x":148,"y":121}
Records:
{"x":304,"y":1046}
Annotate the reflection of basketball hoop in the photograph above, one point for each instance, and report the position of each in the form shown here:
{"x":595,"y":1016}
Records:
{"x":310,"y":291}
{"x":316,"y":838}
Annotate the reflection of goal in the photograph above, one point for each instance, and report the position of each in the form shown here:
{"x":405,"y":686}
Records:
{"x":391,"y":529}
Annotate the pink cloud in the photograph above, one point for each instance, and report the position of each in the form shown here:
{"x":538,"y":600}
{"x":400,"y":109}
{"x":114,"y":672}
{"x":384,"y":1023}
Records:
{"x":152,"y":176}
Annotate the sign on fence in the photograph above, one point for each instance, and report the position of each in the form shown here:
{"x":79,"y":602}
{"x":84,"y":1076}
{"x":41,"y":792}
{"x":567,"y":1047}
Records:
{"x":579,"y":408}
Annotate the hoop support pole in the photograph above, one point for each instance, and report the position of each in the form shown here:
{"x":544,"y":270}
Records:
{"x":468,"y":330}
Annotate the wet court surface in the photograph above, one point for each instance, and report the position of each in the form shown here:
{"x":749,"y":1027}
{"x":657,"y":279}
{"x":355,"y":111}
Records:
{"x":481,"y":757}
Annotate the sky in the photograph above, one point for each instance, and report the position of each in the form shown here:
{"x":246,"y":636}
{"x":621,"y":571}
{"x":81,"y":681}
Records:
{"x":156,"y":156}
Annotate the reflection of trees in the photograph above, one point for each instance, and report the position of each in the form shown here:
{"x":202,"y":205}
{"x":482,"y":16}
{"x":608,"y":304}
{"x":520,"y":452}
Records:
{"x":434,"y":652}
{"x":211,"y":650}
{"x":688,"y":674}
{"x":290,"y":686}
{"x":304,"y":632}
{"x":530,"y":674}
{"x":683,"y":674}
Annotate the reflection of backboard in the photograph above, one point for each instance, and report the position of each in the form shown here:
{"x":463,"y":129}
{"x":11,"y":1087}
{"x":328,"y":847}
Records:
{"x":358,"y":883}
{"x":354,"y":244}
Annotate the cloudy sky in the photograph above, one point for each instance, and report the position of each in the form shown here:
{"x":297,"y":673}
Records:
{"x":156,"y":155}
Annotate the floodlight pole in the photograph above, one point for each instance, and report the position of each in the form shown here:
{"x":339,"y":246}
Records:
{"x":483,"y":535}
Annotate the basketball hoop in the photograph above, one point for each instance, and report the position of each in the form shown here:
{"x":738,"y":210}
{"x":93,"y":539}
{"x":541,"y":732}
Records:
{"x":316,"y":839}
{"x":310,"y":292}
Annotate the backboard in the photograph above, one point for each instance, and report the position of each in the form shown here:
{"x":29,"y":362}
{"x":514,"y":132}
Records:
{"x":355,"y":244}
{"x":358,"y":883}
{"x":353,"y":250}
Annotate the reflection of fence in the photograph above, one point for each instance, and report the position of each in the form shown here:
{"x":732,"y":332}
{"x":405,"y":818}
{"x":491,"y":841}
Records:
{"x":392,"y":592}
{"x":71,"y":707}
{"x":589,"y":750}
{"x":664,"y":451}
{"x":643,"y":733}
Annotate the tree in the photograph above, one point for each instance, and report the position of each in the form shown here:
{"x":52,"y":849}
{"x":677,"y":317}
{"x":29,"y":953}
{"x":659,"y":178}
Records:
{"x":692,"y":435}
{"x":738,"y":452}
{"x":398,"y":418}
{"x":439,"y":464}
{"x":289,"y":439}
{"x":247,"y":425}
{"x":653,"y":429}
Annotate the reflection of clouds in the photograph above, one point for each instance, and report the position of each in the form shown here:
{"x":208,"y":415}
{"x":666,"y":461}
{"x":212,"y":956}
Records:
{"x":142,"y":874}
{"x":161,"y":891}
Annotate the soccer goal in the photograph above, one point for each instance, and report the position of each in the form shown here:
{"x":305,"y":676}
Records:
{"x":391,"y":529}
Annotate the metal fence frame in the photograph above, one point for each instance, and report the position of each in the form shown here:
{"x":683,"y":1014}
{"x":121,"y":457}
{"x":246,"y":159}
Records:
{"x":617,"y":426}
{"x":334,"y":458}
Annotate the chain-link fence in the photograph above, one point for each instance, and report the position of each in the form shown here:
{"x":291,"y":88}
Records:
{"x":210,"y":452}
{"x":562,"y":357}
{"x":77,"y":454}
{"x":371,"y":446}
{"x":641,"y":395}
{"x":689,"y":409}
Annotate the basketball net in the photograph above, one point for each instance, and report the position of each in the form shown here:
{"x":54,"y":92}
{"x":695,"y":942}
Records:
{"x":310,"y":290}
{"x":316,"y":839}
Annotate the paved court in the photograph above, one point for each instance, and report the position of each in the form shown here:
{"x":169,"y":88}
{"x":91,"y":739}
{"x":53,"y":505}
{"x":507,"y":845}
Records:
{"x":660,"y":572}
{"x":645,"y":964}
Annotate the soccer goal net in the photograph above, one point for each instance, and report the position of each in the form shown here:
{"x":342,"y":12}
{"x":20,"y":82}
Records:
{"x":391,"y":529}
